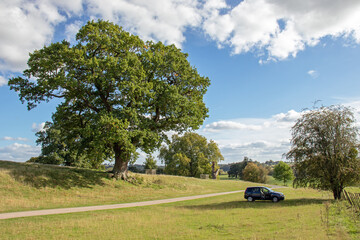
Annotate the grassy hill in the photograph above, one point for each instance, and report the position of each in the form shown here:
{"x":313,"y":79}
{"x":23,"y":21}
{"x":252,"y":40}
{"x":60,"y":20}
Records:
{"x":305,"y":214}
{"x":28,"y":186}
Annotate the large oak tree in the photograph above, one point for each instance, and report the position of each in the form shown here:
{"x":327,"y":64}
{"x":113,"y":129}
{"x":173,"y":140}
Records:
{"x":325,"y":149}
{"x":118,"y":93}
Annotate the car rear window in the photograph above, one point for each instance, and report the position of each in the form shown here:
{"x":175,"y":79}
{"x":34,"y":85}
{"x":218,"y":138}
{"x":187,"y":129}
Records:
{"x":250,"y":190}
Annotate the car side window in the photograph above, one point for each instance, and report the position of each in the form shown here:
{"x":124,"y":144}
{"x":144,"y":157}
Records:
{"x":256,"y":190}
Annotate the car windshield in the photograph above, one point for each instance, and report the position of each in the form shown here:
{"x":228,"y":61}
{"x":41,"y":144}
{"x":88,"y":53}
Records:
{"x":268,"y":189}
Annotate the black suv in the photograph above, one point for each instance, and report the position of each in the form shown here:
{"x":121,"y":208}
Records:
{"x":262,"y":193}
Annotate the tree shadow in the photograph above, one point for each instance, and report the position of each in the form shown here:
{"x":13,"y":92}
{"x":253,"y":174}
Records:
{"x":42,"y":175}
{"x":256,"y":204}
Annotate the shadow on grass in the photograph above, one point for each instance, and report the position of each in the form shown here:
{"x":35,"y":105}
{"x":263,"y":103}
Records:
{"x":257,"y":204}
{"x":40,"y":176}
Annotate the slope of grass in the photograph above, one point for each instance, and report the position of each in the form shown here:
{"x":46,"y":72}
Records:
{"x":25,"y":186}
{"x":305,"y":214}
{"x":223,"y":217}
{"x":271,"y":180}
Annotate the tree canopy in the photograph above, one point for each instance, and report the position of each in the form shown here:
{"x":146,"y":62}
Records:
{"x":236,"y":169}
{"x":118,"y":93}
{"x":283,"y":172}
{"x":254,"y":173}
{"x":325,"y":149}
{"x":191,"y":155}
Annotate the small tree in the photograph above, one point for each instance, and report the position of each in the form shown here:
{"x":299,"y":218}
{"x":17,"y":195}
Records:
{"x":283,"y":172}
{"x":325,"y":149}
{"x":150,"y":162}
{"x":254,"y":173}
{"x":234,"y":170}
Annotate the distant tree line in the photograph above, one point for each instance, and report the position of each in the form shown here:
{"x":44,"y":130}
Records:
{"x":254,"y":171}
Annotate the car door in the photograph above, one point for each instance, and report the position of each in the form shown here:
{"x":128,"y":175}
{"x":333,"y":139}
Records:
{"x":266,"y":194}
{"x":256,"y":193}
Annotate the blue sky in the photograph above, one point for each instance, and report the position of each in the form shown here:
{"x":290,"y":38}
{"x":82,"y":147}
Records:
{"x":267,"y":61}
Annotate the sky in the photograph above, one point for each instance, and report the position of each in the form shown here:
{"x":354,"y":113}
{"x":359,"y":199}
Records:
{"x":268,"y":60}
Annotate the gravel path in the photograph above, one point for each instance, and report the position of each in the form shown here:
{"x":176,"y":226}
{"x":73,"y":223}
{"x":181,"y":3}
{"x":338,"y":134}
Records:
{"x":112,"y":206}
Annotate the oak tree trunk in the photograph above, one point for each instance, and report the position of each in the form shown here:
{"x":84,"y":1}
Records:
{"x":214,"y":172}
{"x":120,"y":169}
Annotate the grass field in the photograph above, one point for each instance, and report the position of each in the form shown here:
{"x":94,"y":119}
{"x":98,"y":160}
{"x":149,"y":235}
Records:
{"x":305,"y":214}
{"x":26,"y":186}
{"x":270,"y":181}
{"x":301,"y":216}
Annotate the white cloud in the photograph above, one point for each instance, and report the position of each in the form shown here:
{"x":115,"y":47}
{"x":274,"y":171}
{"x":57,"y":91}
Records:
{"x":313,"y":73}
{"x":38,"y":127}
{"x":254,"y":25}
{"x":275,"y":29}
{"x":19,"y":152}
{"x":281,"y":120}
{"x":162,"y":20}
{"x":270,"y":141}
{"x":6,"y":138}
{"x":3,"y":81}
{"x":229,"y":125}
{"x":71,"y":30}
{"x":257,"y":150}
{"x":28,"y":25}
{"x":24,"y":27}
{"x":290,"y":116}
{"x":261,"y":139}
{"x":287,"y":42}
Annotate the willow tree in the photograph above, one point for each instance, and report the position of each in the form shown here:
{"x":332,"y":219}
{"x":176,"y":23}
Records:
{"x":325,"y":149}
{"x":118,"y":93}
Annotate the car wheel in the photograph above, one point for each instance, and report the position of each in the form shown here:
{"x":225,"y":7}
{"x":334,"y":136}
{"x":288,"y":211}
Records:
{"x":275,"y":199}
{"x":250,"y":199}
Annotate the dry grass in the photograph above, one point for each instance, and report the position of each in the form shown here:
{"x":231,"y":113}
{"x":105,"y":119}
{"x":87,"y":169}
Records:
{"x":305,"y":214}
{"x":222,"y":217}
{"x":26,"y":186}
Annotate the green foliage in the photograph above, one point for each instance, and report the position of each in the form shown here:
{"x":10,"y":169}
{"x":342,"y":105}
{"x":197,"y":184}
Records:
{"x":67,"y":149}
{"x":190,"y":155}
{"x":236,"y":169}
{"x":150,"y":162}
{"x":45,"y":160}
{"x":118,"y":94}
{"x":325,"y":149}
{"x":283,"y":172}
{"x":254,"y":173}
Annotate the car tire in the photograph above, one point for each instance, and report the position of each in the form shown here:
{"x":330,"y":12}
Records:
{"x":275,"y":199}
{"x":250,"y":199}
